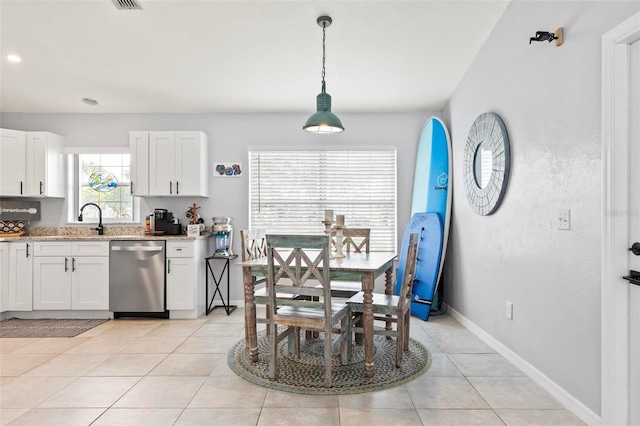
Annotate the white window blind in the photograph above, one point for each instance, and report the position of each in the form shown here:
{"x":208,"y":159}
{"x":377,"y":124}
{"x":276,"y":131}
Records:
{"x":289,"y":191}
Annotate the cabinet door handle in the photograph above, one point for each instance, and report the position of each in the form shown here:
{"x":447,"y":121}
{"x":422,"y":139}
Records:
{"x":20,"y":187}
{"x":27,"y":250}
{"x":66,"y":264}
{"x":131,"y":188}
{"x":73,"y":264}
{"x":41,"y":186}
{"x":177,"y":188}
{"x":168,"y":266}
{"x":170,"y":187}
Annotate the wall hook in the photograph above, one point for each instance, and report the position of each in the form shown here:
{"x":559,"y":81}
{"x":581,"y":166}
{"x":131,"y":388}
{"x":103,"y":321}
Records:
{"x":547,"y":36}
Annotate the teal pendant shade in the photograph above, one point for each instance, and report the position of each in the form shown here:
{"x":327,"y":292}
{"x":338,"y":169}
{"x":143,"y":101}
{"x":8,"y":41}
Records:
{"x":323,"y":122}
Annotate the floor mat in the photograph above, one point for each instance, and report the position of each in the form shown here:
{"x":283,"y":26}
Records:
{"x":305,"y":375}
{"x":15,"y":327}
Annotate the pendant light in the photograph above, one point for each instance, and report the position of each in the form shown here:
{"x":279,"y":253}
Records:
{"x":323,"y":121}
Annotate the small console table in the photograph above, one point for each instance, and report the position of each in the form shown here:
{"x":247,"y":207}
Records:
{"x":218,"y":280}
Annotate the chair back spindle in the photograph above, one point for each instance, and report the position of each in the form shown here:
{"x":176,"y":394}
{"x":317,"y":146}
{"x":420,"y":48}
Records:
{"x":408,"y":277}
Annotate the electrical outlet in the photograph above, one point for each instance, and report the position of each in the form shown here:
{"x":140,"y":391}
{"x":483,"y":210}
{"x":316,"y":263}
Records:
{"x":564,"y":219}
{"x":510,"y":310}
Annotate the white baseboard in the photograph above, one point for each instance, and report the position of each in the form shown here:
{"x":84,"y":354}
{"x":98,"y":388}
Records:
{"x":565,"y":398}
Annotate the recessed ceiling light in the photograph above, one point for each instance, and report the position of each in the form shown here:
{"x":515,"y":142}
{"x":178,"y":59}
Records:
{"x":14,"y":58}
{"x":89,"y":101}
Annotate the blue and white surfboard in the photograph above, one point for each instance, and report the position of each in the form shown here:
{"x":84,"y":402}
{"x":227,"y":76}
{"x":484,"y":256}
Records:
{"x":431,"y":196}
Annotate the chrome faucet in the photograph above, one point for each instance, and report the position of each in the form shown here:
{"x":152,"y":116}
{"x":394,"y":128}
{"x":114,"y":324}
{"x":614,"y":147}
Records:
{"x":100,"y":228}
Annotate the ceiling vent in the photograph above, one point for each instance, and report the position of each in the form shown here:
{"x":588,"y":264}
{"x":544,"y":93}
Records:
{"x":127,"y":4}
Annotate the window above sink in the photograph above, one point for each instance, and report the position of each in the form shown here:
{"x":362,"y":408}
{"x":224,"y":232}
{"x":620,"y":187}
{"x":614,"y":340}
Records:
{"x":102,"y":177}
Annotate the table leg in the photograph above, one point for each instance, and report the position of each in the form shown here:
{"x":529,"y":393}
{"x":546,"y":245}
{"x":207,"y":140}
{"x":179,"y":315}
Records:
{"x":367,"y":323}
{"x":250,"y":333}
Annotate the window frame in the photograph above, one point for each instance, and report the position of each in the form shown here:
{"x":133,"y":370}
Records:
{"x":73,"y":185}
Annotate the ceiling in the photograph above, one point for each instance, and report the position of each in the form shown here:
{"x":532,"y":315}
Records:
{"x":213,"y":56}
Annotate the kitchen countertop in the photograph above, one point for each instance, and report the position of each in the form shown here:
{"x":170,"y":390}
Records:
{"x":100,"y":237}
{"x":88,"y":233}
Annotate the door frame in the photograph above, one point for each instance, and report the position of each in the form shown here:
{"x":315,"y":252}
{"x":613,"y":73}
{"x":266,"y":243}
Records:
{"x":615,"y":297}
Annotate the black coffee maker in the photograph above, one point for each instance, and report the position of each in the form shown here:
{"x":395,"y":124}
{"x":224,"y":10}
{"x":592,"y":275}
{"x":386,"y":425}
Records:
{"x":163,"y":220}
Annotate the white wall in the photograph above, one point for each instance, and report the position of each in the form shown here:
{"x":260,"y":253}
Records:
{"x":549,"y":99}
{"x":230,"y":136}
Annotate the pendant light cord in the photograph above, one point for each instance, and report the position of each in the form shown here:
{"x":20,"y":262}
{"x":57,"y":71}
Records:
{"x":324,"y":30}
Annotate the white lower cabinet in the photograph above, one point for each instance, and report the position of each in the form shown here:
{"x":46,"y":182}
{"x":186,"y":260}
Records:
{"x":20,"y":277}
{"x":4,"y":277}
{"x":180,"y":275}
{"x":71,"y":275}
{"x":185,"y":277}
{"x":90,"y":283}
{"x":51,"y":283}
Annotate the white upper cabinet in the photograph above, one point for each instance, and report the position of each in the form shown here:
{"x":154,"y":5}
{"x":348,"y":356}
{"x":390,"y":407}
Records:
{"x":13,"y":146}
{"x":45,"y":165}
{"x":162,"y":160}
{"x":178,"y":164}
{"x":139,"y":145}
{"x":31,"y":164}
{"x":191,"y":163}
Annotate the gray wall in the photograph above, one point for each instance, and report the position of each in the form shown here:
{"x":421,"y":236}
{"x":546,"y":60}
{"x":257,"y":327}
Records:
{"x":230,"y":136}
{"x":549,"y":99}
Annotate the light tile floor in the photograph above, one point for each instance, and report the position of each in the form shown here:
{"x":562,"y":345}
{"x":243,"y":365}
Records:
{"x":159,"y":372}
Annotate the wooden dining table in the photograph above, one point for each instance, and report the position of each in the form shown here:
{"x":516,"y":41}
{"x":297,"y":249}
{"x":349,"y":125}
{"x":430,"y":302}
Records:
{"x":363,"y":267}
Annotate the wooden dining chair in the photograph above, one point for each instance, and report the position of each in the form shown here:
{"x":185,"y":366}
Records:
{"x":356,"y":240}
{"x":254,"y":246}
{"x":294,"y":263}
{"x":392,"y":308}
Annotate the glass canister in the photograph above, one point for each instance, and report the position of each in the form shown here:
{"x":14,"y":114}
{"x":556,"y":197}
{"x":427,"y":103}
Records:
{"x":222,"y":239}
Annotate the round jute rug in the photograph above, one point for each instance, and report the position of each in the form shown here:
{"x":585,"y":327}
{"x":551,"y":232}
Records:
{"x":305,"y":375}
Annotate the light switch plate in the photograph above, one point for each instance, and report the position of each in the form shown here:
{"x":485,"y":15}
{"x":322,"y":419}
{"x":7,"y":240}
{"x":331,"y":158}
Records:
{"x":509,"y":311}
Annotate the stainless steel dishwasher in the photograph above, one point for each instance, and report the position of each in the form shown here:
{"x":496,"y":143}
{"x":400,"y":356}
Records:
{"x":137,"y":279}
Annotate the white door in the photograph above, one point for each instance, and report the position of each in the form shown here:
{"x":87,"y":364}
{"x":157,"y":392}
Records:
{"x":162,"y":157}
{"x":620,"y":307}
{"x":139,"y":146}
{"x":634,"y":228}
{"x":45,"y":165}
{"x":20,"y":277}
{"x":180,"y":283}
{"x":12,"y":163}
{"x":36,"y":163}
{"x":51,"y":283}
{"x":189,"y":171}
{"x":4,"y":277}
{"x":90,"y":283}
